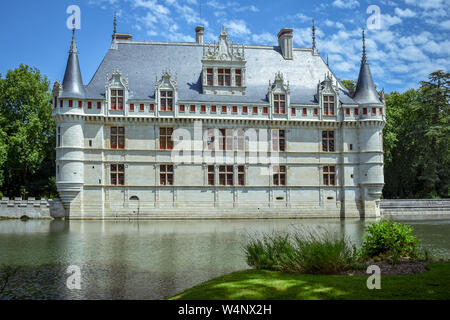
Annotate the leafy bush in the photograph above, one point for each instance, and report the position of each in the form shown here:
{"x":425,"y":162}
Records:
{"x":302,"y":253}
{"x":387,"y":237}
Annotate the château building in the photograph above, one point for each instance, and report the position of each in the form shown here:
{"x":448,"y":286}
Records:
{"x":217,"y":130}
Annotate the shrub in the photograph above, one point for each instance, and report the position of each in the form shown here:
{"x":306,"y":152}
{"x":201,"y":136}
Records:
{"x":387,"y":237}
{"x":302,"y":253}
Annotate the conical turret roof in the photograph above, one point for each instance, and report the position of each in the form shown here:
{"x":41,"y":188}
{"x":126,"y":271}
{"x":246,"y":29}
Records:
{"x":73,"y":83}
{"x":366,"y":92}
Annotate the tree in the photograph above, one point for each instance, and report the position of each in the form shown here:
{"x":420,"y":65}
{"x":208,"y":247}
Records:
{"x":28,"y":131}
{"x":417,"y":140}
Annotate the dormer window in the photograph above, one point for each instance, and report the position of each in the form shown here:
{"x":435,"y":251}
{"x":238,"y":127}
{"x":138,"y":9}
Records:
{"x":328,"y":105}
{"x":166,"y":100}
{"x":279,"y":103}
{"x":238,"y":77}
{"x":116,"y":99}
{"x":223,"y":68}
{"x":210,"y":76}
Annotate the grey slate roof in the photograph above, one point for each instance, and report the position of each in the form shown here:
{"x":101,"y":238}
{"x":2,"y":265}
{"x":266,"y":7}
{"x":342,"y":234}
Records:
{"x":142,"y":62}
{"x":73,"y":83}
{"x":366,"y":92}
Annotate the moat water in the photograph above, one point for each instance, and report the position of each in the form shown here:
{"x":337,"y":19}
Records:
{"x":150,"y":259}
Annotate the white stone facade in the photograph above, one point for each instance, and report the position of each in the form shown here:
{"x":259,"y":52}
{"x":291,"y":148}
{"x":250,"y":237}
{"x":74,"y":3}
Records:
{"x":86,"y":152}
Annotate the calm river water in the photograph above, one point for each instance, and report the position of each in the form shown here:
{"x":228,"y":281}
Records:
{"x":150,"y":259}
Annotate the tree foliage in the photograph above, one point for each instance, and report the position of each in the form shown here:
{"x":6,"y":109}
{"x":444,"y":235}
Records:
{"x":417,"y":140}
{"x":27,"y":133}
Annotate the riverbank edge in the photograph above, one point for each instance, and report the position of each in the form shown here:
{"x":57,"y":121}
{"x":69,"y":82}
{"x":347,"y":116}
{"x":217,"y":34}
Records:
{"x":274,"y":285}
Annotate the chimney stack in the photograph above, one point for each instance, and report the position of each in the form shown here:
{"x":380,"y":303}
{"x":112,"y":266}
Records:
{"x":285,"y":42}
{"x":199,"y":31}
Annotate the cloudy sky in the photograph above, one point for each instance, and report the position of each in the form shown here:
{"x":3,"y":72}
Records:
{"x":411,"y":40}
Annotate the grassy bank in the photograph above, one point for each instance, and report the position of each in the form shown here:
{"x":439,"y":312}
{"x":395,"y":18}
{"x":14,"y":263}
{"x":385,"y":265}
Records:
{"x":274,"y":285}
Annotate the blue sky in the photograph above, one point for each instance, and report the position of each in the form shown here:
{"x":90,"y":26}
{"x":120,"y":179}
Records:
{"x":413,"y":39}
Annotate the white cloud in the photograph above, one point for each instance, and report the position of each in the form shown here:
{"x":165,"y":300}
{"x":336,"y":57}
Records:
{"x":407,"y":13}
{"x":265,"y":38}
{"x":347,"y":4}
{"x":237,"y":28}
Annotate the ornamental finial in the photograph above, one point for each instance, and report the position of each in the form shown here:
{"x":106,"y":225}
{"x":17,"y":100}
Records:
{"x":364,"y":55}
{"x":313,"y":36}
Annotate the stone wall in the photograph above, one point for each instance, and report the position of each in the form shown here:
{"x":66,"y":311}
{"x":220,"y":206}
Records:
{"x":403,"y":209}
{"x":17,"y":208}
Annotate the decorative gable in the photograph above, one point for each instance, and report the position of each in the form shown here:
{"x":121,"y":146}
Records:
{"x":279,"y":94}
{"x":117,"y":90}
{"x":223,"y":67}
{"x":166,"y":92}
{"x":328,"y":95}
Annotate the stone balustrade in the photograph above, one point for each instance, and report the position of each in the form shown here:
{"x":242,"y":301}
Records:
{"x":17,"y":207}
{"x":415,"y":209}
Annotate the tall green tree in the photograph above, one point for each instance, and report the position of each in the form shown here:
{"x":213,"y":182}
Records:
{"x":27,"y":135}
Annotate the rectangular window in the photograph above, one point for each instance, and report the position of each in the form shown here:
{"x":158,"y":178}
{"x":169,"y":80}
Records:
{"x":166,"y":101}
{"x":241,"y":176}
{"x":165,"y":138}
{"x":347,"y":111}
{"x":265,"y":110}
{"x":89,"y":105}
{"x":374,"y":111}
{"x":117,"y":137}
{"x":381,"y":111}
{"x":182,"y":108}
{"x":224,"y":109}
{"x":210,"y":77}
{"x":70,"y":103}
{"x":152,"y":107}
{"x":228,"y":77}
{"x":328,"y":105}
{"x":59,"y":137}
{"x":356,"y":111}
{"x":244,"y":110}
{"x":278,"y":140}
{"x":166,"y":175}
{"x":116,"y":99}
{"x":305,"y":111}
{"x":141,"y":107}
{"x":238,"y":77}
{"x":279,"y":176}
{"x":364,"y":110}
{"x":328,"y":141}
{"x":329,"y":175}
{"x":192,"y":108}
{"x":293,"y":111}
{"x":61,"y":103}
{"x":118,"y":174}
{"x":226,"y":139}
{"x":221,"y":77}
{"x":99,"y":105}
{"x":211,"y":176}
{"x":80,"y":104}
{"x":279,"y":103}
{"x":131,"y":107}
{"x":213,"y":109}
{"x":226,"y":175}
{"x":203,"y":109}
{"x":234,"y":109}
{"x":255,"y":110}
{"x":316,"y":111}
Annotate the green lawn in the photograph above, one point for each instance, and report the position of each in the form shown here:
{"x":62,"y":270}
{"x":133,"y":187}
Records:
{"x":273,"y":285}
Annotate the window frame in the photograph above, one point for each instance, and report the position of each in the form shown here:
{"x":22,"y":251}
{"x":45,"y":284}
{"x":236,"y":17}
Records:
{"x":329,"y":106}
{"x":117,"y":176}
{"x":117,"y":134}
{"x":117,"y":99}
{"x":280,"y":177}
{"x":166,"y":98}
{"x":165,"y":138}
{"x":328,"y":141}
{"x":166,"y":175}
{"x":329,"y":175}
{"x":226,"y":176}
{"x":279,"y":103}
